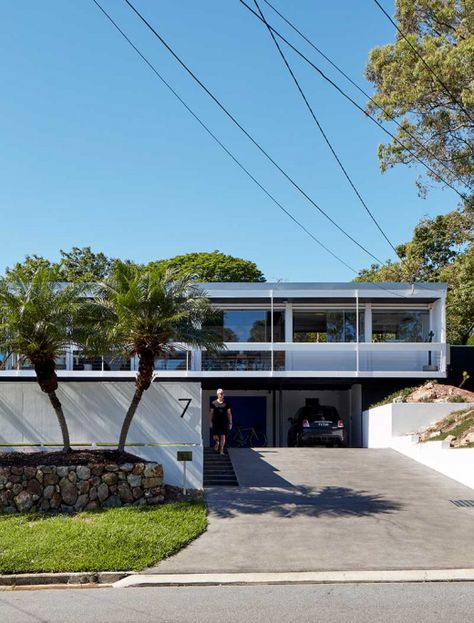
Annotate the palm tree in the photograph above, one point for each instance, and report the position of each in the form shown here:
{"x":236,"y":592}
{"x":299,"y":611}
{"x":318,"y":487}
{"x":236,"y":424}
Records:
{"x":150,"y":312}
{"x":38,"y":314}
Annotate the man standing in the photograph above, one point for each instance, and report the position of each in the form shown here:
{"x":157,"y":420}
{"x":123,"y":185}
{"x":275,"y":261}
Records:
{"x":220,"y":415}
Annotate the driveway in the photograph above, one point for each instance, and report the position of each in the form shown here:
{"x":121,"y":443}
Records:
{"x":315,"y":509}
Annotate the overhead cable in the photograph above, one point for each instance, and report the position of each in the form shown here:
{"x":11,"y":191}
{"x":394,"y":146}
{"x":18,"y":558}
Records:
{"x":386,"y":113}
{"x":248,"y":135}
{"x":358,"y":106}
{"x":323,"y":133}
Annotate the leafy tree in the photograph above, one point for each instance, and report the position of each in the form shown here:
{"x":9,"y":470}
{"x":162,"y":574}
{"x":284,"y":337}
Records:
{"x":215,"y":266}
{"x":437,"y":126}
{"x":83,"y":264}
{"x":442,"y":249}
{"x":38,"y":317}
{"x":28,"y":267}
{"x":144,"y":312}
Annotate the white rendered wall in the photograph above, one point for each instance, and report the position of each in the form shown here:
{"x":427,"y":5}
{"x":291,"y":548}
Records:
{"x":382,"y":424}
{"x":94,"y":412}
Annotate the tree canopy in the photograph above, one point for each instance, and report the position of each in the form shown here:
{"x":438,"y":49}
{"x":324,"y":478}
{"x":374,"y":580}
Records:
{"x":215,"y":266}
{"x":435,"y":108}
{"x":442,"y":249}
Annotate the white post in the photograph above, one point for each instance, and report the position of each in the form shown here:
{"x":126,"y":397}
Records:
{"x":357,"y":332}
{"x":184,"y":477}
{"x":271,"y":328}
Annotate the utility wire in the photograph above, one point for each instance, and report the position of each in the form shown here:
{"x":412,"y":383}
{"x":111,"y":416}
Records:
{"x":350,"y":99}
{"x":367,"y":95}
{"x":219,"y":142}
{"x":248,"y":135}
{"x":323,"y":133}
{"x":428,"y":67}
{"x":231,"y":155}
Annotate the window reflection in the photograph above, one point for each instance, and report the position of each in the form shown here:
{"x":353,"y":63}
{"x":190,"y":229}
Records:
{"x":400,"y":326}
{"x":327,"y":326}
{"x":249,"y":325}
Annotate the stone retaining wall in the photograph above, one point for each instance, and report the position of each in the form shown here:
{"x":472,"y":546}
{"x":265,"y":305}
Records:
{"x":73,"y":488}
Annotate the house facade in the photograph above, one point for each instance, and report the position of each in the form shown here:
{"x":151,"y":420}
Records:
{"x":345,"y":344}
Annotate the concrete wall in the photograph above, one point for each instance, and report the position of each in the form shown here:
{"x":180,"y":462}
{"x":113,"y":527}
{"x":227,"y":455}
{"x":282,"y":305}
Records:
{"x":95,"y":411}
{"x":381,"y":424}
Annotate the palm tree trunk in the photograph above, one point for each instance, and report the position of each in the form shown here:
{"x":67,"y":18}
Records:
{"x":144,"y":378}
{"x":137,"y":396}
{"x":61,"y":419}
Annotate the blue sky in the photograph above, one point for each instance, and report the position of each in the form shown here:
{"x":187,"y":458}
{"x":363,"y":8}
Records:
{"x":96,"y":152}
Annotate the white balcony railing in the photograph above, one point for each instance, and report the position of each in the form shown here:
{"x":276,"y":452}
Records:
{"x":290,"y":359}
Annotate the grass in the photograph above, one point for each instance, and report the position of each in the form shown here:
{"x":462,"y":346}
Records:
{"x":463,"y":424}
{"x":401,"y":393}
{"x":130,"y":538}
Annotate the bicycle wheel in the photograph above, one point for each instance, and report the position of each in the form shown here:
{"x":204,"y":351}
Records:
{"x":258,"y":440}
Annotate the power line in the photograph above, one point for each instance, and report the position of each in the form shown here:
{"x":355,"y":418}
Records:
{"x":218,"y":141}
{"x":428,"y":67}
{"x":230,"y":154}
{"x":323,"y":133}
{"x":350,"y":99}
{"x":248,"y":135}
{"x":367,"y":95}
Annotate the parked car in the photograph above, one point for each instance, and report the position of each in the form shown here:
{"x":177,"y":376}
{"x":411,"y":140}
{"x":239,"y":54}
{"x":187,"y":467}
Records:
{"x":316,"y":424}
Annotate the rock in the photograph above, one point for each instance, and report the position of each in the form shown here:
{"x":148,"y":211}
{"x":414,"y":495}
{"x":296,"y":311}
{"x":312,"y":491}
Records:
{"x":68,"y":491}
{"x":140,"y":502}
{"x":48,"y":469}
{"x":450,"y":438}
{"x":24,"y":501}
{"x":93,"y":493}
{"x":62,"y":471}
{"x":15,"y":479}
{"x":434,"y":434}
{"x":110,"y":478}
{"x":48,"y":492}
{"x":5,"y":497}
{"x":124,"y":492}
{"x":44,"y":506}
{"x":50,"y":479}
{"x":81,"y":502}
{"x":112,"y":489}
{"x":155,"y":500}
{"x":34,"y":487}
{"x":97,"y":470}
{"x":138,"y":468}
{"x":39,"y":475}
{"x":149,"y":483}
{"x":92,"y":506}
{"x":17,"y":488}
{"x":83,"y":472}
{"x":102,"y":492}
{"x":29,"y":472}
{"x":72,"y":477}
{"x":111,"y":467}
{"x":134,"y":480}
{"x":55,"y":501}
{"x":126,"y":467}
{"x":83,"y":487}
{"x":96,"y":480}
{"x":112,"y":502}
{"x":18,"y":471}
{"x":137,"y":492}
{"x":469,"y":438}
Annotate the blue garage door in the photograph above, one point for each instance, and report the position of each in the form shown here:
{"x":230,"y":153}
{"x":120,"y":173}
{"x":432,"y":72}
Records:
{"x":248,"y":412}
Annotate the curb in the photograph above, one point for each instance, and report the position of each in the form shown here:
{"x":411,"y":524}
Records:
{"x":305,"y":577}
{"x":48,"y":579}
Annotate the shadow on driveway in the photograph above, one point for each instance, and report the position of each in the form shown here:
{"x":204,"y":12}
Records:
{"x":298,"y":501}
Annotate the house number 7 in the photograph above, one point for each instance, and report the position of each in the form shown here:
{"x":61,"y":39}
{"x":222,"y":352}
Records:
{"x":188,"y":402}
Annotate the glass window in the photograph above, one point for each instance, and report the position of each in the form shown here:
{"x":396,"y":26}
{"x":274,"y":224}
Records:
{"x":250,"y":325}
{"x":327,"y":326}
{"x":400,"y":326}
{"x":179,"y":360}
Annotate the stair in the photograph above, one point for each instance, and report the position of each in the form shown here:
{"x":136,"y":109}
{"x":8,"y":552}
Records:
{"x":218,"y":470}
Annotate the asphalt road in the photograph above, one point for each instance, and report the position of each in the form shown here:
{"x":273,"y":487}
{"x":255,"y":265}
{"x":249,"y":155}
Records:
{"x":353,"y":603}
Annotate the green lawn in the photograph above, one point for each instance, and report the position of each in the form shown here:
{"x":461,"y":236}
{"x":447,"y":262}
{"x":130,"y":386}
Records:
{"x":130,"y":538}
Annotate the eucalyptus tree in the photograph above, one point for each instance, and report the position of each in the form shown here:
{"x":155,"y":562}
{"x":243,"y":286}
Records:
{"x":150,"y":312}
{"x":39,"y":318}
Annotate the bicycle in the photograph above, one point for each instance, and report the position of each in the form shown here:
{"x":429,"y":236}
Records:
{"x":247,"y":438}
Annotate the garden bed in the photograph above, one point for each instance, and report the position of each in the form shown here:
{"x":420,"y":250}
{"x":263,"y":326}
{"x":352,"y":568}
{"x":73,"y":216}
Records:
{"x":74,"y":457}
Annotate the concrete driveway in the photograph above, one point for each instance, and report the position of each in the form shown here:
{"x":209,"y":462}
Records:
{"x":312,"y":509}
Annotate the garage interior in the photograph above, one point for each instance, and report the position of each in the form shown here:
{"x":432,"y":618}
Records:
{"x":268,"y":410}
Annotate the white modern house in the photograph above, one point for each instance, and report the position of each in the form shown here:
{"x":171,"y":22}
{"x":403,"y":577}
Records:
{"x":346,"y":344}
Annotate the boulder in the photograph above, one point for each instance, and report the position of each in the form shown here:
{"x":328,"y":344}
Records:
{"x":83,"y":472}
{"x":24,"y":501}
{"x":68,"y":491}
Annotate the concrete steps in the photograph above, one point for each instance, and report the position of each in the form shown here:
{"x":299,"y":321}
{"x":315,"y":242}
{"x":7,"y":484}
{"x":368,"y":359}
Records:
{"x":218,"y":470}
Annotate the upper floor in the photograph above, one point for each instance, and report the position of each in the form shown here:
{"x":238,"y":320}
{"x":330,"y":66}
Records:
{"x":302,"y":330}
